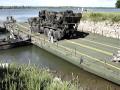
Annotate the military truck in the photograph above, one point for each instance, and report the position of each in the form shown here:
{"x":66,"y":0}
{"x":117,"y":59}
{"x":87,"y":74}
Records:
{"x":58,"y":25}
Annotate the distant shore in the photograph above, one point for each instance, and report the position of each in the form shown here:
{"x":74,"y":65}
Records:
{"x":15,"y":7}
{"x":21,"y":7}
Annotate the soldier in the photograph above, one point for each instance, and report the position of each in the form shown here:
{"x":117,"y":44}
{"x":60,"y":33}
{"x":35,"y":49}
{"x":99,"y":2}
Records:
{"x":49,"y":35}
{"x":7,"y":19}
{"x":82,"y":10}
{"x":11,"y":18}
{"x":81,"y":59}
{"x":52,"y":40}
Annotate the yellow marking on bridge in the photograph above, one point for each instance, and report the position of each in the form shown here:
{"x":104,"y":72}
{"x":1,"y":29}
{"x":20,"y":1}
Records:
{"x":95,"y":59}
{"x":100,"y":43}
{"x":92,"y":48}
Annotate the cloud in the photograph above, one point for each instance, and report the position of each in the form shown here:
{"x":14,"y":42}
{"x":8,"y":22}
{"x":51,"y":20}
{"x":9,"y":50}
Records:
{"x":82,"y":3}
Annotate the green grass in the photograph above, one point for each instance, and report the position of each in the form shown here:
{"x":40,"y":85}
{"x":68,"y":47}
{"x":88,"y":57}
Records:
{"x":25,"y":77}
{"x":102,"y":16}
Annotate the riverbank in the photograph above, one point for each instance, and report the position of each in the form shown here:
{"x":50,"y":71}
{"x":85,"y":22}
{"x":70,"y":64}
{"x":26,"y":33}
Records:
{"x":105,"y":24}
{"x":27,"y":77}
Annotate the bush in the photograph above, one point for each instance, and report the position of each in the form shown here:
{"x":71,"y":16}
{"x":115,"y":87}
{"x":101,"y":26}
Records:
{"x":26,"y":77}
{"x":115,"y":18}
{"x":96,"y":17}
{"x":118,"y":4}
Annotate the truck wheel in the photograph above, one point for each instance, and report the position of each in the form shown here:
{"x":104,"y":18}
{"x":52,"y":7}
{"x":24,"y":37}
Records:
{"x":54,"y":36}
{"x":41,"y":29}
{"x":57,"y":35}
{"x":46,"y":30}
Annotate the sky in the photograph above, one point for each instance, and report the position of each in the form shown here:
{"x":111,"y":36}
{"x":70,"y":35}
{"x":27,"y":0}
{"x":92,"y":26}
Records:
{"x":80,"y":3}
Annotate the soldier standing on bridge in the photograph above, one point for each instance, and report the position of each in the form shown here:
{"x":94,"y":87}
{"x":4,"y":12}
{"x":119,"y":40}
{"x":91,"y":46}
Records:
{"x":81,"y":60}
{"x":50,"y":35}
{"x":52,"y":40}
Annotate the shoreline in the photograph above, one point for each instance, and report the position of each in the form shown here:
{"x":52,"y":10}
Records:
{"x":67,"y":7}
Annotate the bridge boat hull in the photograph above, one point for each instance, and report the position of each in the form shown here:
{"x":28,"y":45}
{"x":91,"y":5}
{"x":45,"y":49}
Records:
{"x":13,"y":44}
{"x":3,"y":30}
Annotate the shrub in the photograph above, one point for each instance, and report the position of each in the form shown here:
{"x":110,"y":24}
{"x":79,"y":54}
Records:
{"x":118,"y":4}
{"x":24,"y":77}
{"x":96,"y":17}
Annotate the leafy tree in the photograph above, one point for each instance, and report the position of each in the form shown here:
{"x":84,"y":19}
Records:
{"x":118,"y":4}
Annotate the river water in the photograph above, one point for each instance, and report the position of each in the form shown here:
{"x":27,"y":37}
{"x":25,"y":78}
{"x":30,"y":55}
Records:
{"x":35,"y":55}
{"x":23,"y":14}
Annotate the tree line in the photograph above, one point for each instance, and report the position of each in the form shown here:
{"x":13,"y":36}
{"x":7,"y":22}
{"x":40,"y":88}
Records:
{"x":118,"y":4}
{"x":15,"y":7}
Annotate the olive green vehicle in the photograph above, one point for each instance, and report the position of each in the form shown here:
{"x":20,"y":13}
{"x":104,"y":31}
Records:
{"x":57,"y":24}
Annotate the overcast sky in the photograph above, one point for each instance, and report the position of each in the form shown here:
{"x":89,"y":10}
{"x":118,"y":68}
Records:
{"x":81,"y":3}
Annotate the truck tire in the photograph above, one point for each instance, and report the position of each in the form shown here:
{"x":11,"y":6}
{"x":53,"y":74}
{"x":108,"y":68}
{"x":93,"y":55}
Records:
{"x":56,"y":35}
{"x":41,"y":30}
{"x":46,"y":30}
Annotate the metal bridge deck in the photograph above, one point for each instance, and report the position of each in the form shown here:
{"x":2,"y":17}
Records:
{"x":94,"y":45}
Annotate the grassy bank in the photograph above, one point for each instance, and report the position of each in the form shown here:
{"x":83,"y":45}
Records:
{"x":102,"y":16}
{"x":26,"y":77}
